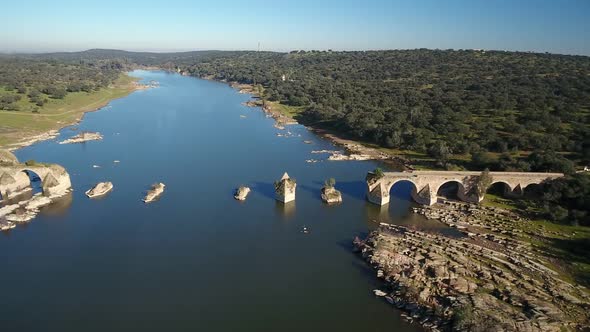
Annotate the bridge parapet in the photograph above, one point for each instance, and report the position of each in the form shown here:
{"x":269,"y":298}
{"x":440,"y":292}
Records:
{"x":427,"y":183}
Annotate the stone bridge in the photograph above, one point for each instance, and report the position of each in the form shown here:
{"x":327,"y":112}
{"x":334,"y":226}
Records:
{"x":14,"y":177}
{"x":427,"y":183}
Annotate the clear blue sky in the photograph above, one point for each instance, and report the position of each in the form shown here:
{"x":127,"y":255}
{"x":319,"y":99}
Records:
{"x":557,"y":26}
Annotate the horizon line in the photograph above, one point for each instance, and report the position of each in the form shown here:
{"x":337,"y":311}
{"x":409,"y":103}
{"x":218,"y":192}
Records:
{"x":173,"y":51}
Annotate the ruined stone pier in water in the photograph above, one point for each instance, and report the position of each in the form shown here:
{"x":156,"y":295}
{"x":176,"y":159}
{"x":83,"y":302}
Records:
{"x":427,"y":183}
{"x":15,"y":180}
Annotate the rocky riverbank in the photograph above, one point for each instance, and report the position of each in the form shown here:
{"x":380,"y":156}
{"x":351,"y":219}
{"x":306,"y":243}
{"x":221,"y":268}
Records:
{"x":354,"y":150}
{"x":492,"y":278}
{"x":24,"y":211}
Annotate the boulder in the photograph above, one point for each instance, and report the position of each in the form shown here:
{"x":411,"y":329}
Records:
{"x":100,"y":189}
{"x":241,"y":193}
{"x":155,"y":192}
{"x":330,"y":195}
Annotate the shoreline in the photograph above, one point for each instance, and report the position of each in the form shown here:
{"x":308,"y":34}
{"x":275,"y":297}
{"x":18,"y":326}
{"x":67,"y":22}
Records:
{"x":53,"y":133}
{"x":355,"y":150}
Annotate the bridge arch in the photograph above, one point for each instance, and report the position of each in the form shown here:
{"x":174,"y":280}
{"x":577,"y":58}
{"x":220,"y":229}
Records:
{"x":532,"y":190}
{"x":414,"y":187}
{"x":35,"y":181}
{"x":503,"y":189}
{"x":496,"y":183}
{"x":450,"y":189}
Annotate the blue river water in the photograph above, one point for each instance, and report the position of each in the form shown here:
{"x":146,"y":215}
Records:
{"x":196,"y":259}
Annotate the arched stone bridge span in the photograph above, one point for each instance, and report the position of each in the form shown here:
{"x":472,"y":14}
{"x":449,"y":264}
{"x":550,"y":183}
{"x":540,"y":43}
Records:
{"x":14,"y":177}
{"x":427,"y":183}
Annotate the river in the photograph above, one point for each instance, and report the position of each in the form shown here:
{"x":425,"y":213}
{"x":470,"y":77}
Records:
{"x":196,"y":259}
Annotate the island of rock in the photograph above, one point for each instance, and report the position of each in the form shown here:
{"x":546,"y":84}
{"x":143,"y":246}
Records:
{"x":329,"y":193}
{"x":83,"y":137}
{"x":99,"y":189}
{"x":155,"y":192}
{"x":241,"y":193}
{"x":285,"y":189}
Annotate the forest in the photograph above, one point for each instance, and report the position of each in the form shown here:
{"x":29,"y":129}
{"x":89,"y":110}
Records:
{"x":38,"y":80}
{"x":503,"y":110}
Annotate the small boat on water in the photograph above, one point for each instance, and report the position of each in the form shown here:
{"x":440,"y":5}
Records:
{"x":100,"y":189}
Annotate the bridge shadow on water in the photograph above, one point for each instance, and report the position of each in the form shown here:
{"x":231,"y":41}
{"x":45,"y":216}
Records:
{"x":354,"y":189}
{"x":265,"y":189}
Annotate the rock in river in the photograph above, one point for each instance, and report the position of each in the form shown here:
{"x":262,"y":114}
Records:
{"x":156,"y":190}
{"x":330,"y":195}
{"x":83,"y":137}
{"x":241,"y":193}
{"x":100,"y":189}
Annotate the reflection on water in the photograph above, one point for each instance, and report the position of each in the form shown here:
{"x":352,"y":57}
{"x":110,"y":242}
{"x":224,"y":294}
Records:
{"x":285,"y":210}
{"x":59,"y":207}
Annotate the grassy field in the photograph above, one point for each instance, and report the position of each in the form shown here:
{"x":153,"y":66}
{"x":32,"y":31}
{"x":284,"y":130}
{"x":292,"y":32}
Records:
{"x":569,"y":246}
{"x":290,"y":111}
{"x":16,"y":126}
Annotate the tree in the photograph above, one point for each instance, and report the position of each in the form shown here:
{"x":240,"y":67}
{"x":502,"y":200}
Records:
{"x":484,"y":181}
{"x":567,"y":199}
{"x":378,"y":173}
{"x":550,"y":161}
{"x":330,"y":183}
{"x":59,"y":93}
{"x":440,"y":151}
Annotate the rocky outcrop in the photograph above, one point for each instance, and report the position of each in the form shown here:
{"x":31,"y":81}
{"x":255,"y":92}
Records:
{"x":330,"y":195}
{"x":7,"y":158}
{"x":354,"y":156}
{"x":285,"y":189}
{"x":14,"y":178}
{"x":83,"y":137}
{"x":155,"y":192}
{"x":100,"y":189}
{"x":22,"y":212}
{"x":241,"y":193}
{"x":490,"y":279}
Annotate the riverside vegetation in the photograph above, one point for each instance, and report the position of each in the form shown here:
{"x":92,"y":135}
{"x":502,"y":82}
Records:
{"x":39,"y":95}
